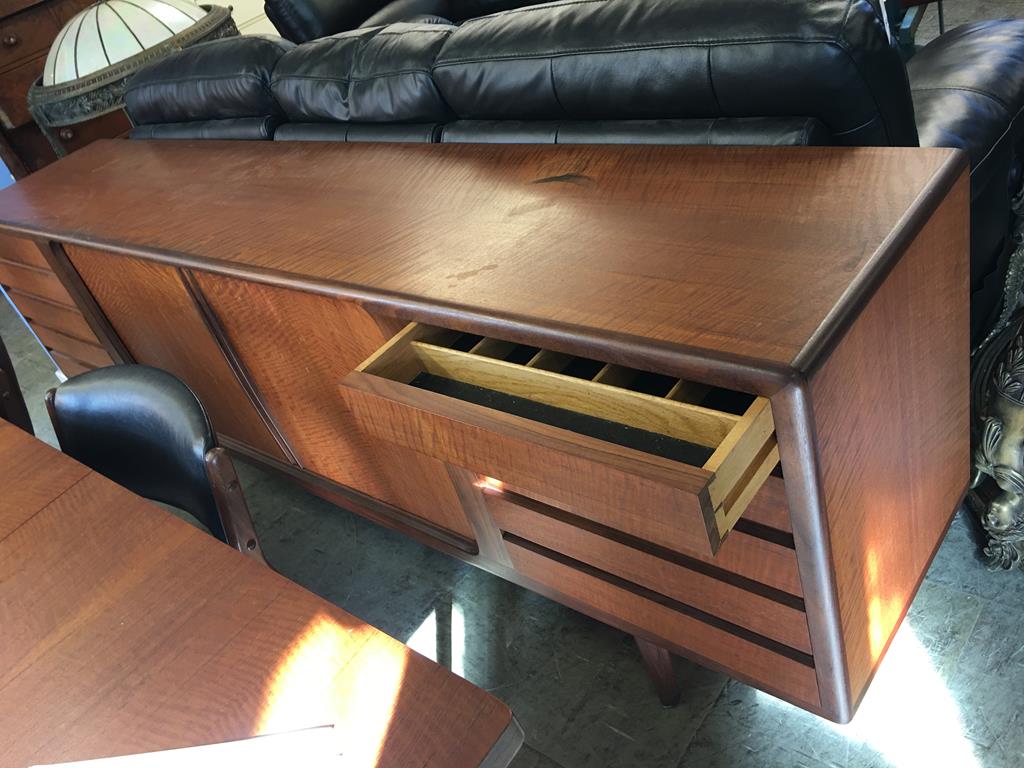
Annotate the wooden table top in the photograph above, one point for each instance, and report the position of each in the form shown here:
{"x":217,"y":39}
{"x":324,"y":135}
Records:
{"x":124,"y":629}
{"x":749,"y":258}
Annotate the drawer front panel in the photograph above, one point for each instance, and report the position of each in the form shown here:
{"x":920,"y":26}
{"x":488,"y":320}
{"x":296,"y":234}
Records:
{"x":56,"y":341}
{"x":56,"y":316}
{"x":70,"y":365}
{"x":296,"y":346}
{"x":747,"y":604}
{"x":38,"y":282}
{"x":29,"y":32}
{"x":584,"y":473}
{"x":636,"y":451}
{"x":108,"y":126}
{"x":14,"y":87}
{"x":747,"y":656}
{"x":22,"y":251}
{"x":154,"y":314}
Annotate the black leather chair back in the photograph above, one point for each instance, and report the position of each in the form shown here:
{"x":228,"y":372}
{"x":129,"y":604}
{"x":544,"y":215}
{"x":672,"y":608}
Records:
{"x":145,"y":430}
{"x":12,"y":402}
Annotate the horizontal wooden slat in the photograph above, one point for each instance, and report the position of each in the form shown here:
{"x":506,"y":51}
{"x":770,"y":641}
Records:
{"x":38,"y":282}
{"x":70,"y":365}
{"x":90,"y":354}
{"x":679,"y":420}
{"x":57,"y":316}
{"x":791,"y":678}
{"x":746,"y":555}
{"x":22,"y":251}
{"x":776,"y":617}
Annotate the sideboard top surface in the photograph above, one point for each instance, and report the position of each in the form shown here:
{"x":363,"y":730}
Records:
{"x":746,"y":257}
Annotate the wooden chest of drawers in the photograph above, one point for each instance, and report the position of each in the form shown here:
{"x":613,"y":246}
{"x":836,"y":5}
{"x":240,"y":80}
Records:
{"x":27,"y":29}
{"x":715,"y":397}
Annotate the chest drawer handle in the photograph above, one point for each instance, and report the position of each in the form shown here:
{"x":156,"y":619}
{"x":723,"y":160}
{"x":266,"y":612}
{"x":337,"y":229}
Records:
{"x":10,"y":41}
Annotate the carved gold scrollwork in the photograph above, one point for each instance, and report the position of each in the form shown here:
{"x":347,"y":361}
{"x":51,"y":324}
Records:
{"x":998,"y":483}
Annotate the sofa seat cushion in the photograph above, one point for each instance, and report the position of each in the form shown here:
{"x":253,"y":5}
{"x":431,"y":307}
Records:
{"x":968,"y":91}
{"x":236,"y":128}
{"x":403,"y":133}
{"x":754,"y":131}
{"x":379,"y":74}
{"x":218,"y":80}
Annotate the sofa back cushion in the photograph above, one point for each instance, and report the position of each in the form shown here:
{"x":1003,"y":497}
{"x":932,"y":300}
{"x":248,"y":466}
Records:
{"x":373,"y":75}
{"x":220,"y":80}
{"x":628,"y":59}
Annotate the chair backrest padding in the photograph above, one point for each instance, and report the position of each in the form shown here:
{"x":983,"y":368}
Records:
{"x":145,"y":430}
{"x":220,"y":80}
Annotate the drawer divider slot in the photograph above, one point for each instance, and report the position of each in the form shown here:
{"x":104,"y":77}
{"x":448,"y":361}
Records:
{"x":682,"y":421}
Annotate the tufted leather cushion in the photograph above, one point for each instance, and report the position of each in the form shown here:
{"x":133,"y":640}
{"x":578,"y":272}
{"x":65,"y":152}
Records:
{"x":757,"y":131}
{"x":218,"y":80}
{"x":380,"y":74}
{"x":628,"y":59}
{"x":968,"y":89}
{"x":144,"y":429}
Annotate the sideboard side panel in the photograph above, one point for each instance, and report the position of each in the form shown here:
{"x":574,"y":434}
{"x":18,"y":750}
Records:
{"x":890,"y":407}
{"x":297,"y":347}
{"x":152,"y":312}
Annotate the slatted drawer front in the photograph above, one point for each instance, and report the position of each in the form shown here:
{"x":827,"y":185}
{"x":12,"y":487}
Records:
{"x":22,"y":251}
{"x":763,"y":662}
{"x":669,"y":461}
{"x":33,"y":280}
{"x":90,"y":354}
{"x":39,"y":295}
{"x":52,"y":315}
{"x":758,"y":607}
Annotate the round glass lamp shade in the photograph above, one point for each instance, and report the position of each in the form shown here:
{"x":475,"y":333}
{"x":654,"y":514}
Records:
{"x":112,"y":31}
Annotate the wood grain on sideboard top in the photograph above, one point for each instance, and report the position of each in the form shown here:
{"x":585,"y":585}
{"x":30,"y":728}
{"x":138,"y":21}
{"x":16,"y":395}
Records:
{"x":621,"y":248}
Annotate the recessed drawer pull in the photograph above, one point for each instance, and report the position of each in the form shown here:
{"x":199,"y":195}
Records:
{"x":667,"y":460}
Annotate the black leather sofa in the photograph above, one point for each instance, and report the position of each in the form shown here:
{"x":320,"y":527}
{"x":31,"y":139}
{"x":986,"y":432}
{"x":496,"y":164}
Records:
{"x":763,"y":72}
{"x":659,"y":71}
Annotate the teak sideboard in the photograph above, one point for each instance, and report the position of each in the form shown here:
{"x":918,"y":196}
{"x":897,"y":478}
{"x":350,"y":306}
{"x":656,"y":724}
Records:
{"x":715,"y":397}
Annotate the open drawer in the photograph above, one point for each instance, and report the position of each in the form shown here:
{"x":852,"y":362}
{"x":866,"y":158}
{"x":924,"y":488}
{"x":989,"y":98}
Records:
{"x":665,"y":460}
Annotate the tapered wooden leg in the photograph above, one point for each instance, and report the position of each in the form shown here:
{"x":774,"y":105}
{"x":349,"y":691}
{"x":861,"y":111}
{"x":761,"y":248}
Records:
{"x":658,"y":663}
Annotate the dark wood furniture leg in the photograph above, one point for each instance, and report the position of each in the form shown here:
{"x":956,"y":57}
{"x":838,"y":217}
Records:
{"x":658,"y":663}
{"x":234,"y":512}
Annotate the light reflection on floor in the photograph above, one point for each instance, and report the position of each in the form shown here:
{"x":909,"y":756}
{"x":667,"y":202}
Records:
{"x":908,"y":716}
{"x":444,"y":641}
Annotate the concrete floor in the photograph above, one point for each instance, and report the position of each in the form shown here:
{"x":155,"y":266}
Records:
{"x":949,"y":693}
